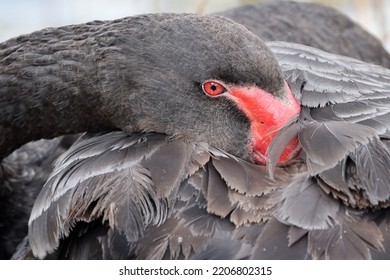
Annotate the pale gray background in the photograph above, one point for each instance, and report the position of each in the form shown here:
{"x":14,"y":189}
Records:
{"x":24,"y":16}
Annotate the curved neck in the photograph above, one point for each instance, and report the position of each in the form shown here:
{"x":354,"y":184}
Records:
{"x":48,"y":88}
{"x":69,"y":79}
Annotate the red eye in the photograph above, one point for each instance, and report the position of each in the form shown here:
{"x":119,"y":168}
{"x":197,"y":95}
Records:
{"x":213,"y":88}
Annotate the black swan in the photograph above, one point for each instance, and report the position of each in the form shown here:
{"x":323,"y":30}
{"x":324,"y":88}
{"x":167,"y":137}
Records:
{"x":179,"y":180}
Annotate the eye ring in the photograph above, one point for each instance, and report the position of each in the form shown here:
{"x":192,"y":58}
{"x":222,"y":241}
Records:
{"x":213,"y":88}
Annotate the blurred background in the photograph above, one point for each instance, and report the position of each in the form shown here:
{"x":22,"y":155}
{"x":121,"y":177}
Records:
{"x":24,"y":16}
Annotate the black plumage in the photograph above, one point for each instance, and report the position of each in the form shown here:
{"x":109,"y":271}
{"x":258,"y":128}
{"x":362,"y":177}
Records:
{"x":321,"y":196}
{"x":134,"y":99}
{"x":22,"y":175}
{"x":181,"y":195}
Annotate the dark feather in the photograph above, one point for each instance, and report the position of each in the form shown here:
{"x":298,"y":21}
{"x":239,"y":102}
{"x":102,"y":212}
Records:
{"x":253,"y":179}
{"x":382,"y":219}
{"x":190,"y":232}
{"x":330,"y":78}
{"x":325,"y":144}
{"x":272,"y":244}
{"x":118,"y":203}
{"x":218,"y":201}
{"x":119,"y":191}
{"x":351,"y":237}
{"x":372,"y":171}
{"x":362,"y":179}
{"x":22,"y":175}
{"x":305,"y":205}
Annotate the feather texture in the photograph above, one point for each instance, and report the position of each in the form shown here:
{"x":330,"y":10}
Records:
{"x":326,"y":144}
{"x":326,"y":78}
{"x":125,"y":195}
{"x":118,"y":189}
{"x":305,"y":205}
{"x":127,"y":199}
{"x":350,"y":238}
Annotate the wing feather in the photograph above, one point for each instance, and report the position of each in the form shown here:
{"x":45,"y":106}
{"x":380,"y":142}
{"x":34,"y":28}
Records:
{"x":327,"y":78}
{"x":111,"y":177}
{"x":304,"y":205}
{"x":350,"y":238}
{"x":327,"y":143}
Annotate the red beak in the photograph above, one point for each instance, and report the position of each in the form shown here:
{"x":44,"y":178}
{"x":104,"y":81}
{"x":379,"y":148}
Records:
{"x":267,"y":115}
